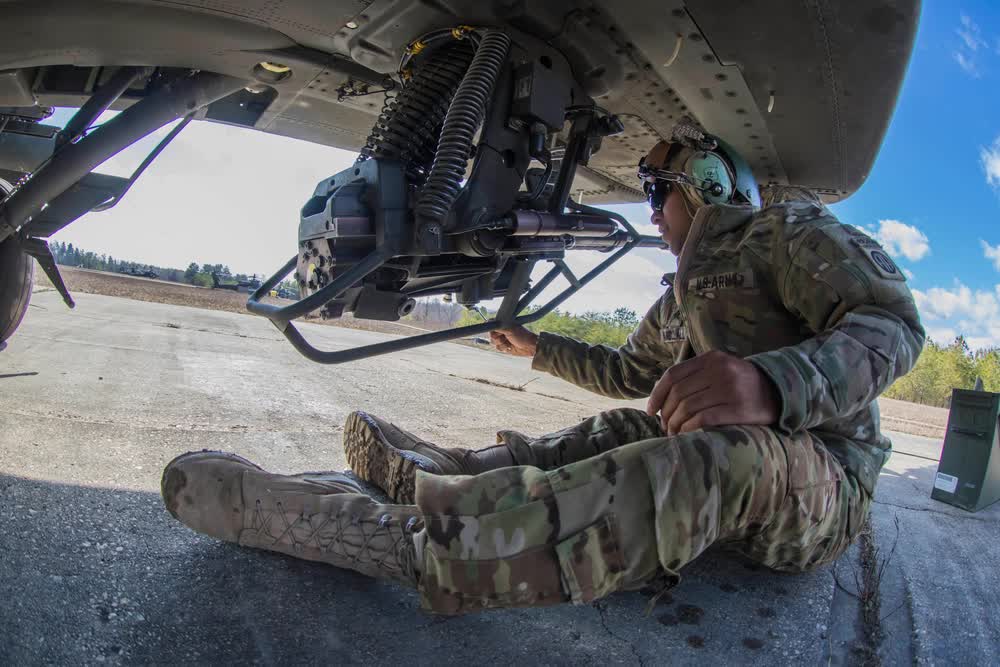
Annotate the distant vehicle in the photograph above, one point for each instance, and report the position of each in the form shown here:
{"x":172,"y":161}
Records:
{"x":224,"y":282}
{"x":135,"y":271}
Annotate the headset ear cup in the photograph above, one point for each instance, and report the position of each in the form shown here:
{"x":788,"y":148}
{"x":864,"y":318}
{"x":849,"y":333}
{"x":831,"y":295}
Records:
{"x":709,"y":169}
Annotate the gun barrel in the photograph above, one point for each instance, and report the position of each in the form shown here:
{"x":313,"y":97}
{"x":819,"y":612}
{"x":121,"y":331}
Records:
{"x":617,"y":240}
{"x":543,"y":223}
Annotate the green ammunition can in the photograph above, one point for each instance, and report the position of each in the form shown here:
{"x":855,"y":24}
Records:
{"x":968,"y":475}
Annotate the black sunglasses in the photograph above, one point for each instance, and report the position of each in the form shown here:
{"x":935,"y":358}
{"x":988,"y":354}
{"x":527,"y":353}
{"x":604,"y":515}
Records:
{"x":657,"y":193}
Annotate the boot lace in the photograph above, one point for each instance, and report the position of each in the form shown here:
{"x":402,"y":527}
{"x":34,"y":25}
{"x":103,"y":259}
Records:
{"x":348,"y":538}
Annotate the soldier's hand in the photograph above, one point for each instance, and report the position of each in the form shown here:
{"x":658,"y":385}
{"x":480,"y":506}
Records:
{"x":714,"y":389}
{"x":517,"y":341}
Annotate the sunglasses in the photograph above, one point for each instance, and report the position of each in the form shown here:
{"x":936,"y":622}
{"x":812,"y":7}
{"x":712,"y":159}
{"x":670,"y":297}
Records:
{"x":657,"y":193}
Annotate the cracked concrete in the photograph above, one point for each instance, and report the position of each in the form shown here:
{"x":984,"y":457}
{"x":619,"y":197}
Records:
{"x":951,"y":515}
{"x":601,"y":606}
{"x":941,"y":578}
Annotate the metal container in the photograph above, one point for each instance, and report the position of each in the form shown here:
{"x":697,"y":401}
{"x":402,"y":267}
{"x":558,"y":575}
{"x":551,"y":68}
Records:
{"x":968,"y":475}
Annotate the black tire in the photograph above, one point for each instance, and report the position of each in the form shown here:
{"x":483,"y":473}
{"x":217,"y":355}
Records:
{"x":17,"y":275}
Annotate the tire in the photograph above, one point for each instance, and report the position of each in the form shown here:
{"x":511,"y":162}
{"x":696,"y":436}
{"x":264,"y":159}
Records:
{"x":17,"y":274}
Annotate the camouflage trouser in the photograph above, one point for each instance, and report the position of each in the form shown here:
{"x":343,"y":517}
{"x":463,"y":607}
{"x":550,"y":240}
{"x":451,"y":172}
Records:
{"x":612,"y":504}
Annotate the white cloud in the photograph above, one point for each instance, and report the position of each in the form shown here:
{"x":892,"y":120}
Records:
{"x":909,"y":274}
{"x":960,"y":310}
{"x":978,"y":342}
{"x":959,"y":301}
{"x":941,"y":335}
{"x":971,"y":41}
{"x":989,"y":158}
{"x":992,"y":253}
{"x":970,"y":33}
{"x":966,"y":63}
{"x":903,"y":240}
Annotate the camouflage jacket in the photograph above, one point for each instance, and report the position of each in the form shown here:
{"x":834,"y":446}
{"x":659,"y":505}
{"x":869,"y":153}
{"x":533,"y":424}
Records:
{"x":817,"y":305}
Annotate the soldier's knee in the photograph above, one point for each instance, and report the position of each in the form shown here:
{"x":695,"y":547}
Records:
{"x":734,"y":453}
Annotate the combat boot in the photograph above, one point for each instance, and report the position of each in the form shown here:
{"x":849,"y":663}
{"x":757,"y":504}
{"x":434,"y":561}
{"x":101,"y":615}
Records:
{"x":389,"y":457}
{"x":321,"y":516}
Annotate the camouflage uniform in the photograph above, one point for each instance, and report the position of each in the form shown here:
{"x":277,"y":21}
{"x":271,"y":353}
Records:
{"x":612,"y":503}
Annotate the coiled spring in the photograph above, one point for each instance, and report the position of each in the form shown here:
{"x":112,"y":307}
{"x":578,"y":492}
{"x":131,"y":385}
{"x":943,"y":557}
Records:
{"x":460,"y":124}
{"x":408,"y":127}
{"x":383,"y":114}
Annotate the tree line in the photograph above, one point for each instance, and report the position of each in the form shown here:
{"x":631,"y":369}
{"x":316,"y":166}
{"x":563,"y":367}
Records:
{"x":939,"y":369}
{"x":596,"y":328}
{"x":67,"y":254}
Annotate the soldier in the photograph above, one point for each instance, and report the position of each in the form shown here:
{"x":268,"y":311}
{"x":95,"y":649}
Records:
{"x":762,"y":362}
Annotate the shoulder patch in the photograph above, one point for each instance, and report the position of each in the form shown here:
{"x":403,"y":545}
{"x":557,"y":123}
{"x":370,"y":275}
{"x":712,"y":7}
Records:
{"x":878,"y":258}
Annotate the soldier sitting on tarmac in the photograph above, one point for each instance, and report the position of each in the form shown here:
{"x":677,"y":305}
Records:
{"x":762,"y":362}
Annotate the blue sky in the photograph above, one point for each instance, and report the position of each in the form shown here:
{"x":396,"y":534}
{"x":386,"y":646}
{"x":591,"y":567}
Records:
{"x":223,"y":194}
{"x":935,"y":172}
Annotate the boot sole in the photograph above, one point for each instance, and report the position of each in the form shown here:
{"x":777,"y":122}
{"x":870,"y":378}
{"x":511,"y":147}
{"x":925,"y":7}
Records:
{"x":374,"y":460}
{"x":174,"y":479}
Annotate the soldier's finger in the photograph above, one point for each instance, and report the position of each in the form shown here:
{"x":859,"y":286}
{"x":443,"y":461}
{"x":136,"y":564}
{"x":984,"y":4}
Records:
{"x":666,"y":382}
{"x":681,"y":391}
{"x":719,"y":415}
{"x":690,"y":406}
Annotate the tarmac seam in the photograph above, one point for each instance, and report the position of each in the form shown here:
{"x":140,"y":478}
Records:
{"x":870,"y":596}
{"x":514,"y":387}
{"x":234,"y":428}
{"x":916,"y":456}
{"x":932,"y":511}
{"x":601,"y":611}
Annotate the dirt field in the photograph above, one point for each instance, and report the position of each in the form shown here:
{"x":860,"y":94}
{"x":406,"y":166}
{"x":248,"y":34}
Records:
{"x":925,"y":420}
{"x":896,"y":415}
{"x":161,"y":291}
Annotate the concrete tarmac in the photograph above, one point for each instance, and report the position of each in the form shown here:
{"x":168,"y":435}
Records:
{"x":94,"y":402}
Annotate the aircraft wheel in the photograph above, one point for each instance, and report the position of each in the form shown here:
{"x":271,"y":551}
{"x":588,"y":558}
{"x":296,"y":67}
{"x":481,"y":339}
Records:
{"x":17,"y":273}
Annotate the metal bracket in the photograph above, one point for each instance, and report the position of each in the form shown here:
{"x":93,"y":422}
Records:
{"x":39,"y":249}
{"x":74,"y":160}
{"x":281,"y":316}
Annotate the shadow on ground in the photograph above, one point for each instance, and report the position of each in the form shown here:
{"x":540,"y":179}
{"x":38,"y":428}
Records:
{"x":103,"y":575}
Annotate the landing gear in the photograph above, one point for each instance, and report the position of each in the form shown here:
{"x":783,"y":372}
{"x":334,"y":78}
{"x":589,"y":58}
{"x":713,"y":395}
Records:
{"x":62,"y":187}
{"x":17,"y":276}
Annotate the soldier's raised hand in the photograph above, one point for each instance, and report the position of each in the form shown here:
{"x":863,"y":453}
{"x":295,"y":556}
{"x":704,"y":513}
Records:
{"x":517,"y":341}
{"x":714,"y":389}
